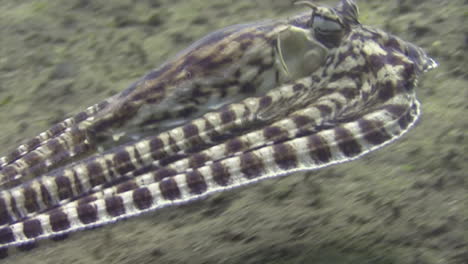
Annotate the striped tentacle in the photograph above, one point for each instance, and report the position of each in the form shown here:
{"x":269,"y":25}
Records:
{"x":342,"y":143}
{"x":95,"y":173}
{"x":327,"y":104}
{"x":61,"y":142}
{"x":314,"y":118}
{"x":302,"y":122}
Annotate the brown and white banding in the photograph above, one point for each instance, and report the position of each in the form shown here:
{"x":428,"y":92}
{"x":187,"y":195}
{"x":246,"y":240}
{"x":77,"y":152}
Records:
{"x":63,"y":141}
{"x":125,"y":160}
{"x":305,"y":121}
{"x":340,"y":144}
{"x":91,"y":174}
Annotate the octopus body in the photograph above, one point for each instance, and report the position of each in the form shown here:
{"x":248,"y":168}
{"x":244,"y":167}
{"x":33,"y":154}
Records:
{"x":245,"y":103}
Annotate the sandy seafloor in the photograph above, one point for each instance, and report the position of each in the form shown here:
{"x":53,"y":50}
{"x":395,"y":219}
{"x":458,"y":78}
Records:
{"x":406,"y":203}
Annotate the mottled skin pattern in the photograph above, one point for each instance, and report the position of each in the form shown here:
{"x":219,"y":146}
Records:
{"x":358,"y":97}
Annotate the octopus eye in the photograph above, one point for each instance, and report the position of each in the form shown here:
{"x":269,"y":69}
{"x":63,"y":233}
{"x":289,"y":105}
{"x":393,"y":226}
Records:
{"x":328,"y":32}
{"x":325,"y":25}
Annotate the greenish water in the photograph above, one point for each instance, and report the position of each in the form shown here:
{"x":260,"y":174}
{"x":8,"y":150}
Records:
{"x":405,"y":203}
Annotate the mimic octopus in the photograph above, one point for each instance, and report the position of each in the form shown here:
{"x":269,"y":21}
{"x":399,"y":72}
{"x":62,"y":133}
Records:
{"x":243,"y":104}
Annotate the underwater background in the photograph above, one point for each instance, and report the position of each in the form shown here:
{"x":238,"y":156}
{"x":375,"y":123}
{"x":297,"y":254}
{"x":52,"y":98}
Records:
{"x":405,"y":203}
